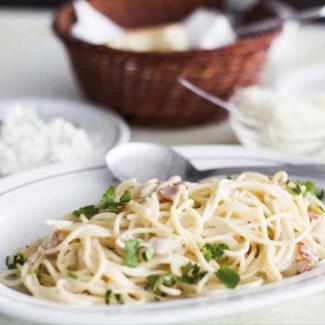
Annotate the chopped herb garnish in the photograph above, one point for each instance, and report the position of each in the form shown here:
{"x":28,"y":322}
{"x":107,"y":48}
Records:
{"x":299,"y":187}
{"x":310,"y":187}
{"x":108,"y":198}
{"x":155,"y":280}
{"x":107,"y":202}
{"x":119,"y":298}
{"x":214,"y":251}
{"x":147,"y":254}
{"x":72,"y":275}
{"x":191,"y":274}
{"x":114,"y":207}
{"x":12,"y":262}
{"x":228,"y":277}
{"x":293,"y":187}
{"x":88,"y":211}
{"x":131,"y":253}
{"x":126,"y":197}
{"x":108,"y":296}
{"x":38,"y":273}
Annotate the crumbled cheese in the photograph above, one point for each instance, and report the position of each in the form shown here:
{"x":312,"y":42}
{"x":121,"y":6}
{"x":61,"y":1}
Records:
{"x":27,"y":142}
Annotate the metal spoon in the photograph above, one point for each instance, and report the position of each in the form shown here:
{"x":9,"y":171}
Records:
{"x":268,"y":24}
{"x":228,"y":106}
{"x":145,"y":161}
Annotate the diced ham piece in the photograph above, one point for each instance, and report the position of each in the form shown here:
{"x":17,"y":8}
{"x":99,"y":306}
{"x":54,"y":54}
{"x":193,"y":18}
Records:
{"x":162,"y":245}
{"x":308,"y":259}
{"x":56,"y":237}
{"x":170,"y":192}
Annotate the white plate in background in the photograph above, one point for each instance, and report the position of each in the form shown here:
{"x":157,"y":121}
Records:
{"x":49,"y":192}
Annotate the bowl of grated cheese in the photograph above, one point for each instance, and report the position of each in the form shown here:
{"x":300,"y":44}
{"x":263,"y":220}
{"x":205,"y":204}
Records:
{"x":267,"y":117}
{"x":37,"y":132}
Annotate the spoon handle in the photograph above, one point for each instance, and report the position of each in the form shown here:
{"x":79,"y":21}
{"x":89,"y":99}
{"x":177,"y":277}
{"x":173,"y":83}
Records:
{"x":316,"y":171}
{"x":265,"y":25}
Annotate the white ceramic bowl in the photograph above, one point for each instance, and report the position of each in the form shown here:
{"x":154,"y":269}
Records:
{"x":105,"y":128}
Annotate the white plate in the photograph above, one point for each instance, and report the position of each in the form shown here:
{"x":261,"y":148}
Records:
{"x":28,"y":199}
{"x":105,"y":128}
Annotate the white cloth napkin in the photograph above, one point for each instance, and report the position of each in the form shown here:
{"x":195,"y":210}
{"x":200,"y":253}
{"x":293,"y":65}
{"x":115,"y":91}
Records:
{"x":208,"y":29}
{"x":92,"y":26}
{"x":203,"y":29}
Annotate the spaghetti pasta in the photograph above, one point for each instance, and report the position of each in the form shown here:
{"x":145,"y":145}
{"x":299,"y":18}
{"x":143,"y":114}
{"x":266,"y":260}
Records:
{"x":175,"y":239}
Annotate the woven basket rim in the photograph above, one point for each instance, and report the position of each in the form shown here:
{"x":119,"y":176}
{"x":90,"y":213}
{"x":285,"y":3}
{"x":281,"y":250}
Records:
{"x":67,"y":37}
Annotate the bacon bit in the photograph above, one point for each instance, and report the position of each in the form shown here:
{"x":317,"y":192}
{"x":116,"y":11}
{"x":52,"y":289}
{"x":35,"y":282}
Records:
{"x":171,"y":191}
{"x":308,"y":259}
{"x":313,"y":216}
{"x":162,"y":245}
{"x":56,"y":237}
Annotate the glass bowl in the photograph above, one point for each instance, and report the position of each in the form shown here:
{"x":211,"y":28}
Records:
{"x":307,"y":140}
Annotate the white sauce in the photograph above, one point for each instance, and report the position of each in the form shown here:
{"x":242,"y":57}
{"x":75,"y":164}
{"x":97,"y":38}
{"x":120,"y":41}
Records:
{"x":27,"y":142}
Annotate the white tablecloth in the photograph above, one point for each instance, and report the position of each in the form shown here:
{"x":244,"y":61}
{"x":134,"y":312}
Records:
{"x":33,"y":63}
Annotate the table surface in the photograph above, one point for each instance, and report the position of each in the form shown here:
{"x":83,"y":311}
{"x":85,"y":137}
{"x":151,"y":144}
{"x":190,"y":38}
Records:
{"x":33,"y":63}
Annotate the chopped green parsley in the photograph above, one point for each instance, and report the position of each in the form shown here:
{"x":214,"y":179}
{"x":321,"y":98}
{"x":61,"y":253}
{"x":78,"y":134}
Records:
{"x":214,"y":251}
{"x":298,"y":187}
{"x":131,"y":253}
{"x":228,"y":277}
{"x":192,"y":274}
{"x":154,"y":281}
{"x":107,"y":202}
{"x":17,"y":259}
{"x":118,"y":297}
{"x":147,"y":254}
{"x":88,"y":211}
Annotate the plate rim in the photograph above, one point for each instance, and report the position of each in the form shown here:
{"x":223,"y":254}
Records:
{"x":50,"y":312}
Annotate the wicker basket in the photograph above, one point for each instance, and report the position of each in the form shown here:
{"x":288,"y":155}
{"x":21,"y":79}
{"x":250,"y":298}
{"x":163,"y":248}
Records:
{"x":144,"y":87}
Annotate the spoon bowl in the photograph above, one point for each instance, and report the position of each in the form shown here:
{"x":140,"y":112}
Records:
{"x":145,"y":161}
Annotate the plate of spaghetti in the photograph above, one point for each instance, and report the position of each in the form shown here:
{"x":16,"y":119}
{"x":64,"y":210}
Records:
{"x":78,"y":248}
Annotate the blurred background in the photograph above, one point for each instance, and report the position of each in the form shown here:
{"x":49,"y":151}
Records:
{"x":50,"y":3}
{"x":34,"y":62}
